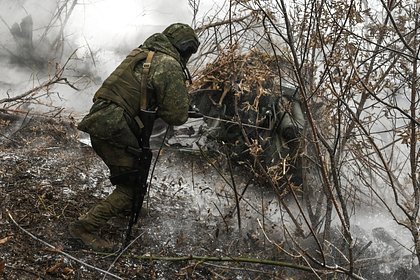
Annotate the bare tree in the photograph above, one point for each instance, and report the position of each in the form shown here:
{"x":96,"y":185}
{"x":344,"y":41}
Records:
{"x":356,"y":67}
{"x":49,"y":60}
{"x":35,"y":48}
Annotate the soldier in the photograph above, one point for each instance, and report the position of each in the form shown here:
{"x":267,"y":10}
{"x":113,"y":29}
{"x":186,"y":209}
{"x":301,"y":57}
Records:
{"x":151,"y":78}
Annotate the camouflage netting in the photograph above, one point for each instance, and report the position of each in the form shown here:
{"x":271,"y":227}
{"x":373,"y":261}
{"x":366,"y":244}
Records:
{"x":254,"y":72}
{"x":248,"y":106}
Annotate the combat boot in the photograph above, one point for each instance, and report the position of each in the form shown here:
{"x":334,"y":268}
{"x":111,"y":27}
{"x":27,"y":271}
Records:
{"x":80,"y":234}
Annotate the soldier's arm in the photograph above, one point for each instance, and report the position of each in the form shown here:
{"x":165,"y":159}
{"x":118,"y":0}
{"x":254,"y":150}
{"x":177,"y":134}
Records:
{"x":171,"y":92}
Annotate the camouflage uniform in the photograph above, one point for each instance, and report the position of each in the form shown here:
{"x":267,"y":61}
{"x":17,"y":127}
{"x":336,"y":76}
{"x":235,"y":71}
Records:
{"x":113,"y":122}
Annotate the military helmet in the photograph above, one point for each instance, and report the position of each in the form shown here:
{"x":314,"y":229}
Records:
{"x":183,"y":38}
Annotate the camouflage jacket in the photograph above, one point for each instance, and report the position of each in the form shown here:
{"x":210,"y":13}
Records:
{"x":166,"y":88}
{"x":166,"y":83}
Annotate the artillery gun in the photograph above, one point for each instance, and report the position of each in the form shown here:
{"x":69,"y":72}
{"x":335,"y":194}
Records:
{"x":274,"y":127}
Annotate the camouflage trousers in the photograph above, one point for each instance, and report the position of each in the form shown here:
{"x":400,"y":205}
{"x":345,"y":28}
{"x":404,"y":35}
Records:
{"x":119,"y":161}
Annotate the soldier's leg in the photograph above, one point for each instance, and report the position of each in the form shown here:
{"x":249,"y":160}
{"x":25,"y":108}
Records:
{"x":86,"y":227}
{"x":120,"y":200}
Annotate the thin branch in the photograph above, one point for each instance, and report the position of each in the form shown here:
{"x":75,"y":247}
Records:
{"x":336,"y":269}
{"x":238,"y":212}
{"x":223,"y":22}
{"x":224,"y":259}
{"x":58,"y":250}
{"x":57,"y":78}
{"x":121,"y":253}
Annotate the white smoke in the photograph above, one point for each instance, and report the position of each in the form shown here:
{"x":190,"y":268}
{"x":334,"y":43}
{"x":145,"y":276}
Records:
{"x":122,"y":25}
{"x":101,"y":33}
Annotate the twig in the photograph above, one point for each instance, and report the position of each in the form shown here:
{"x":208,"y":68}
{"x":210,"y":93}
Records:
{"x":232,"y":268}
{"x":90,"y":52}
{"x":227,"y":181}
{"x":236,"y":123}
{"x":120,"y":254}
{"x":56,"y":79}
{"x":223,"y":22}
{"x":10,"y":139}
{"x":224,"y":259}
{"x":154,"y":165}
{"x":221,"y":215}
{"x":25,"y":94}
{"x":59,"y":251}
{"x":248,"y":260}
{"x":274,"y":243}
{"x":238,"y":212}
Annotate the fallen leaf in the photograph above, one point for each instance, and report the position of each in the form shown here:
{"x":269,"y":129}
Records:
{"x":54,"y":268}
{"x":4,"y":240}
{"x":67,"y":270}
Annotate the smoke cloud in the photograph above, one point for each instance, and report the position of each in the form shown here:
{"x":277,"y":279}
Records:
{"x":99,"y":33}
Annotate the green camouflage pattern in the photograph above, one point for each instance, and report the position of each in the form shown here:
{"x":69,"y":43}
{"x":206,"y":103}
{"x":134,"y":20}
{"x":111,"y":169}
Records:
{"x":183,"y":37}
{"x":112,"y":128}
{"x":166,"y":89}
{"x":108,"y":121}
{"x":179,"y":32}
{"x":167,"y":81}
{"x":117,"y":203}
{"x":110,"y":131}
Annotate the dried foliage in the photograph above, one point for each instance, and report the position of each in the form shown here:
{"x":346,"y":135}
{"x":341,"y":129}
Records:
{"x":254,"y":72}
{"x":244,"y":92}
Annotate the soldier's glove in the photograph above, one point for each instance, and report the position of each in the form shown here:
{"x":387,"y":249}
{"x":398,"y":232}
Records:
{"x":193,"y":112}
